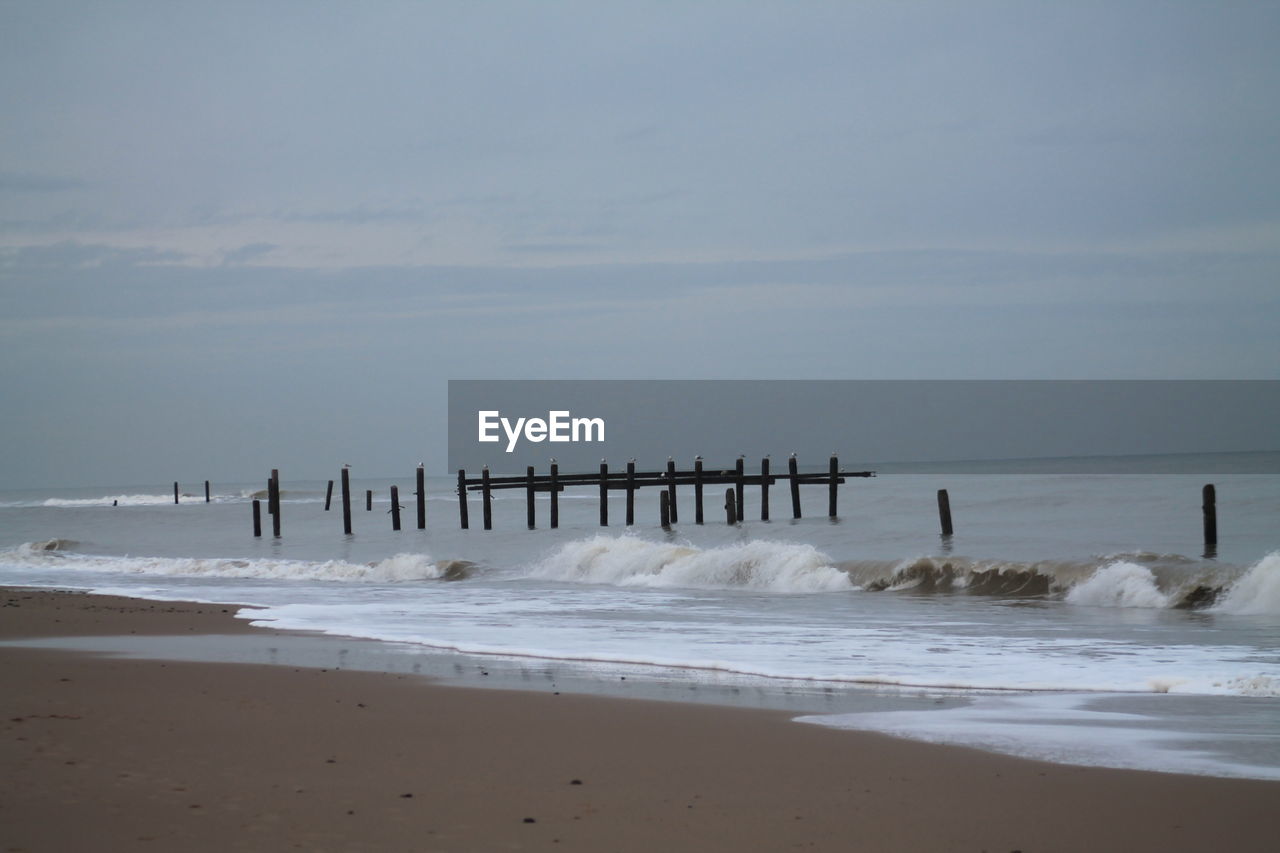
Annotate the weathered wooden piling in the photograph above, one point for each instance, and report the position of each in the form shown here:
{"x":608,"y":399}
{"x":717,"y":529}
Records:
{"x":555,"y":495}
{"x":346,"y":501}
{"x":764,"y":489}
{"x":739,"y":487}
{"x":944,"y":512}
{"x":795,"y":486}
{"x":834,"y":469}
{"x":175,"y":491}
{"x":422,"y":497}
{"x":328,"y":496}
{"x":664,"y":509}
{"x":273,"y":497}
{"x":1209,"y":507}
{"x":697,"y":490}
{"x":604,"y":493}
{"x":462,"y":498}
{"x":257,"y":517}
{"x":368,"y":500}
{"x":486,"y":493}
{"x":671,"y":490}
{"x":730,"y":506}
{"x":395,"y":507}
{"x":206,"y":491}
{"x":528,"y":497}
{"x":631,"y":492}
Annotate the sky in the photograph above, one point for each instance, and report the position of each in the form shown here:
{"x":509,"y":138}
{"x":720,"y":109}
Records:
{"x":239,"y":236}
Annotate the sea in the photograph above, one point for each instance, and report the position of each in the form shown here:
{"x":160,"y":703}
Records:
{"x":1074,"y":615}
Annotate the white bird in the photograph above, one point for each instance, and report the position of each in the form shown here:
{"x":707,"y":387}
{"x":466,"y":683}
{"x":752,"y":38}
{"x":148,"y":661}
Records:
{"x":553,"y":460}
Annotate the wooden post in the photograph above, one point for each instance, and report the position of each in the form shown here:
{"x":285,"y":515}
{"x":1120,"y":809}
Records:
{"x":671,"y":490}
{"x":764,"y":489}
{"x":730,"y":507}
{"x":462,"y":498}
{"x":395,"y":507}
{"x":697,"y":490}
{"x":631,"y":492}
{"x":604,"y":493}
{"x":738,"y":495}
{"x":795,"y":487}
{"x":528,"y":496}
{"x":487,"y":494}
{"x":422,"y":498}
{"x":257,"y":517}
{"x":346,"y":502}
{"x":206,"y":491}
{"x":1209,"y":506}
{"x":274,"y":499}
{"x":328,"y":496}
{"x":834,"y":468}
{"x":175,"y":491}
{"x":368,"y":500}
{"x":664,"y":509}
{"x":555,"y":495}
{"x":944,"y":511}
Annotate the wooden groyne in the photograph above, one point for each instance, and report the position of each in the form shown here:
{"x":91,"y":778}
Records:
{"x":630,"y":481}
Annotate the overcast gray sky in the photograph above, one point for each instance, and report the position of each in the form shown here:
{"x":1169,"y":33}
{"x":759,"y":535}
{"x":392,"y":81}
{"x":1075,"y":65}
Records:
{"x":243,"y":235}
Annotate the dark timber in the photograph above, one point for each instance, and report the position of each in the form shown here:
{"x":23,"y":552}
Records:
{"x":273,"y":500}
{"x":730,"y":507}
{"x":944,"y":512}
{"x":395,"y":507}
{"x":175,"y":491}
{"x":422,"y":498}
{"x":671,"y":490}
{"x":834,"y":470}
{"x":346,"y":501}
{"x":631,"y":480}
{"x":795,"y":486}
{"x":604,"y":493}
{"x":328,"y":496}
{"x":664,"y":509}
{"x":1209,"y":507}
{"x":555,"y":495}
{"x":487,"y":495}
{"x":528,"y":497}
{"x":257,"y":517}
{"x":697,"y":490}
{"x":206,"y":491}
{"x":739,"y":485}
{"x":631,"y":493}
{"x":764,"y":489}
{"x":368,"y":500}
{"x":462,"y":497}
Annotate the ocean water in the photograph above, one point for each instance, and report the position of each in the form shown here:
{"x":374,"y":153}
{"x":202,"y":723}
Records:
{"x":1074,"y":616}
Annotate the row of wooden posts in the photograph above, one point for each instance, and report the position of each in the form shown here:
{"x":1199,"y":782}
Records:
{"x":630,"y":482}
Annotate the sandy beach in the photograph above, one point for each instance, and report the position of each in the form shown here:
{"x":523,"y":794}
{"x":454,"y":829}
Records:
{"x":108,"y":754}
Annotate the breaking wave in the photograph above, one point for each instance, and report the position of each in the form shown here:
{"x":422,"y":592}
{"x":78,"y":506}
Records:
{"x":1119,"y":584}
{"x":1142,"y":580}
{"x":630,"y":561}
{"x":396,"y":569}
{"x":1257,"y":592}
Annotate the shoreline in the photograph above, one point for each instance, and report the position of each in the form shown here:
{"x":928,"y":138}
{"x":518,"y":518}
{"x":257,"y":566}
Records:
{"x":111,"y":753}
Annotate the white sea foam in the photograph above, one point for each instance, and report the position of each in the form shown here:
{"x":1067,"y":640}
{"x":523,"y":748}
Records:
{"x":1119,"y":584}
{"x":631,"y":561}
{"x":398,"y":568}
{"x":1258,"y":591}
{"x":1069,"y":729}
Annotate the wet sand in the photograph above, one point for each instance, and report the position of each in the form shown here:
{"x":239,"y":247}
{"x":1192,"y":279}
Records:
{"x":108,"y":754}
